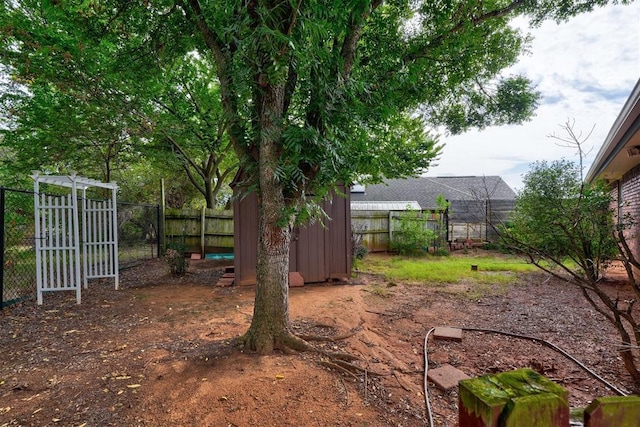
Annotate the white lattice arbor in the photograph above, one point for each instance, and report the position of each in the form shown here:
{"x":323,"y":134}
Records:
{"x":59,"y":247}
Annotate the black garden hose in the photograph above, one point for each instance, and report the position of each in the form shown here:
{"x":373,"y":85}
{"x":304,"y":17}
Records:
{"x":520,"y":336}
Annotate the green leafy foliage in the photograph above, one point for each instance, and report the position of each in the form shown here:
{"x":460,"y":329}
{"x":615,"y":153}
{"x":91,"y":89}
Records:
{"x":357,"y":84}
{"x":91,"y":93}
{"x":558,"y":217}
{"x":413,"y":236}
{"x":567,"y":228}
{"x":307,"y":94}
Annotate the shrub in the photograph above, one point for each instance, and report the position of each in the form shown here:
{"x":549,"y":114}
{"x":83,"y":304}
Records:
{"x":358,"y":249}
{"x":413,"y":236}
{"x":175,"y":258}
{"x":441,"y":252}
{"x":497,"y":247}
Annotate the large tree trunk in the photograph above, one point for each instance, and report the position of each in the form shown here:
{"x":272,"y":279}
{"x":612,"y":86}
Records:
{"x":270,"y":324}
{"x":269,"y":328}
{"x":209,"y":195}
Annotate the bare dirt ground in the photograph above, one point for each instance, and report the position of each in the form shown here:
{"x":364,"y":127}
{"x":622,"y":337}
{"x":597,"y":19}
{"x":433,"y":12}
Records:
{"x":157,"y":352}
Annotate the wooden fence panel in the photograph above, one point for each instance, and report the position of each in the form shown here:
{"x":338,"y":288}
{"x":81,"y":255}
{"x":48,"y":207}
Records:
{"x":374,"y":228}
{"x":461,"y":232}
{"x":211,"y":230}
{"x":200,"y":230}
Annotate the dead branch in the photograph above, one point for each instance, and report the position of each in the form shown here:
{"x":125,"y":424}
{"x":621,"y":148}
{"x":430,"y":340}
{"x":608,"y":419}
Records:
{"x":400,"y":383}
{"x":340,"y":356}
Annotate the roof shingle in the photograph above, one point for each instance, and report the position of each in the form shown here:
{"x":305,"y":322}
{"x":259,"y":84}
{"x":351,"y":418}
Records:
{"x":426,"y":189}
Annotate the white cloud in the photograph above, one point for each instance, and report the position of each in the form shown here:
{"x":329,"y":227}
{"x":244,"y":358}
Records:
{"x":585,"y":69}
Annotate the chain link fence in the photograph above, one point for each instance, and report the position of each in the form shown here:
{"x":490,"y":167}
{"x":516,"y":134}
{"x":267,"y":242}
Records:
{"x":138,"y":240}
{"x":18,"y":255}
{"x":138,"y":233}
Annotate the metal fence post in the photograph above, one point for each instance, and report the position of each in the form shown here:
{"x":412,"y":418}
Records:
{"x":2,"y":194}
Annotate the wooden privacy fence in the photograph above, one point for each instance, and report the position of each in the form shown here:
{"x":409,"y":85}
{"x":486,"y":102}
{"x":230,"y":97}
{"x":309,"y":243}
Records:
{"x":376,"y":228}
{"x":461,"y":232}
{"x":211,"y":230}
{"x":200,"y":230}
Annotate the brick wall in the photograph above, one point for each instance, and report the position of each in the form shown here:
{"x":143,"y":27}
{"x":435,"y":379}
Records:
{"x":630,"y":186}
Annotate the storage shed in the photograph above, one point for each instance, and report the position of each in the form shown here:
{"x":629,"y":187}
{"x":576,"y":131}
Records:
{"x":319,"y":253}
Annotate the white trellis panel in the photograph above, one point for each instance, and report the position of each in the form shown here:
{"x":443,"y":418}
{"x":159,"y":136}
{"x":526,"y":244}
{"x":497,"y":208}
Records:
{"x":100,"y":237}
{"x":57,"y":250}
{"x":57,"y":235}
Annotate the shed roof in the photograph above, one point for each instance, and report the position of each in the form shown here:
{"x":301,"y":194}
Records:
{"x":425,"y":190}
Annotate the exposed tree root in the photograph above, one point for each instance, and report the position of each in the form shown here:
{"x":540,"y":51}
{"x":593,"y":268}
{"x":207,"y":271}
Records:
{"x":291,"y":343}
{"x":400,"y":383}
{"x":338,"y":368}
{"x":297,"y":343}
{"x":237,"y":341}
{"x":286,"y":342}
{"x":346,"y":393}
{"x":338,"y":361}
{"x":379,"y":313}
{"x":349,"y":366}
{"x":322,"y":338}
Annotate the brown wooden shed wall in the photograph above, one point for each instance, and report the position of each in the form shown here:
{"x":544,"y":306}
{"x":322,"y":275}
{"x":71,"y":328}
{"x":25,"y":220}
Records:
{"x":318,"y":253}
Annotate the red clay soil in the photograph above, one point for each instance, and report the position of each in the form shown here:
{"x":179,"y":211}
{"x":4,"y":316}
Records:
{"x":158,"y":352}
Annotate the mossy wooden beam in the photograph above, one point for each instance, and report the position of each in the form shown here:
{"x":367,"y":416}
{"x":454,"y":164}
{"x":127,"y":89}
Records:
{"x":619,"y":411}
{"x":512,"y":399}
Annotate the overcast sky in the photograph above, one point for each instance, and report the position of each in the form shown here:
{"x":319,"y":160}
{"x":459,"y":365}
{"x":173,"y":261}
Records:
{"x":585,"y":70}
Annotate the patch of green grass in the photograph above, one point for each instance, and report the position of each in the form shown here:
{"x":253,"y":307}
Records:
{"x":491,"y":269}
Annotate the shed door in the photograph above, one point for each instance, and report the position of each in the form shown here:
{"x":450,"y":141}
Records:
{"x":309,"y":255}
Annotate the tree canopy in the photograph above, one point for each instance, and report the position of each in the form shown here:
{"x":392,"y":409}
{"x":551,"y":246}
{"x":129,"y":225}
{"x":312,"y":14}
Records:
{"x":89,"y":106}
{"x":557,"y":217}
{"x":308,"y":94}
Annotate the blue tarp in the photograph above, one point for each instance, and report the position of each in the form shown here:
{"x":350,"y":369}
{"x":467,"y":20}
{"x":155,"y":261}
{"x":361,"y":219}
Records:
{"x":218,"y":256}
